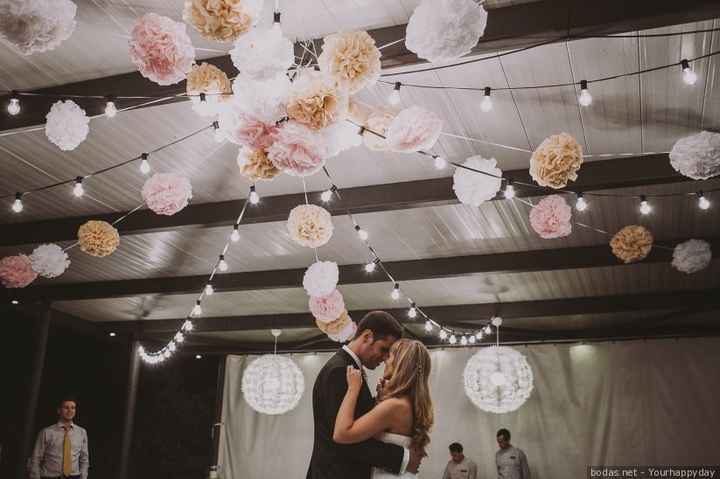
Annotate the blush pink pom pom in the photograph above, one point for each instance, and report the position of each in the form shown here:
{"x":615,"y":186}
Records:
{"x":16,"y":271}
{"x":327,"y":308}
{"x":167,"y":193}
{"x":253,"y":133}
{"x":550,"y":218}
{"x":297,"y":150}
{"x":413,"y":129}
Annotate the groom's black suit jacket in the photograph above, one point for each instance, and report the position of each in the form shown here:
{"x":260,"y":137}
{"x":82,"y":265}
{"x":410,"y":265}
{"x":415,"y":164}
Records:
{"x":344,"y":461}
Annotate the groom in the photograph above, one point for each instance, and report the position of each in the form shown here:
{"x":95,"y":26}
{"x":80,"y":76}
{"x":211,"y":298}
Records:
{"x":376,"y":332}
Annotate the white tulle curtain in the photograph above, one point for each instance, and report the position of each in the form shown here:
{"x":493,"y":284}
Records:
{"x":652,"y":402}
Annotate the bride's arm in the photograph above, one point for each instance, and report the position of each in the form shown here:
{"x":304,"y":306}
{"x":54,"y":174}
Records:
{"x":349,"y":430}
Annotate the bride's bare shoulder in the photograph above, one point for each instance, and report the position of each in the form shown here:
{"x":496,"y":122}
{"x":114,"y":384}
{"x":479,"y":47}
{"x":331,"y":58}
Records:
{"x":399,"y":404}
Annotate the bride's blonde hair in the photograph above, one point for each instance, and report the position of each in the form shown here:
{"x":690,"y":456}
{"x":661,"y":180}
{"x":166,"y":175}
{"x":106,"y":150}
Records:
{"x":410,"y":373}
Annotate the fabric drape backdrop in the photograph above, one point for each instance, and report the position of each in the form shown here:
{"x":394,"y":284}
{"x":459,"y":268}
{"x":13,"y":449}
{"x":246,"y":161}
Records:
{"x":627,"y":403}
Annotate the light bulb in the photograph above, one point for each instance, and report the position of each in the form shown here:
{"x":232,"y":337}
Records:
{"x":198,"y":356}
{"x":171,"y":346}
{"x":179,"y":338}
{"x":17,"y":205}
{"x":395,"y":294}
{"x":78,"y":189}
{"x":472,"y":339}
{"x":254,"y":196}
{"x":487,"y":330}
{"x":440,"y":162}
{"x":463,"y":341}
{"x":689,"y":76}
{"x":497,"y":321}
{"x":218,"y":135}
{"x":428,"y":326}
{"x":486,"y":103}
{"x":442,"y":334}
{"x":703,"y":203}
{"x":14,"y":106}
{"x":361,"y":233}
{"x":209,"y":290}
{"x":585,"y":97}
{"x":412,"y":312}
{"x":581,"y":204}
{"x":188,"y":326}
{"x":452,"y":339}
{"x":167,"y":354}
{"x":222,"y":264}
{"x":144,"y":164}
{"x":197,"y":310}
{"x":509,"y":190}
{"x":645,"y":207}
{"x":235,"y":235}
{"x":394,"y":97}
{"x":370,"y":267}
{"x":326,"y":196}
{"x":110,"y":109}
{"x":479,"y":335}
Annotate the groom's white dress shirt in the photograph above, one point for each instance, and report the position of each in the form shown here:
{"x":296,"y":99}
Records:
{"x":406,"y":451}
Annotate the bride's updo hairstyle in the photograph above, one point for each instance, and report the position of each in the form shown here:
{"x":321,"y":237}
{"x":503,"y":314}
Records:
{"x":410,"y":373}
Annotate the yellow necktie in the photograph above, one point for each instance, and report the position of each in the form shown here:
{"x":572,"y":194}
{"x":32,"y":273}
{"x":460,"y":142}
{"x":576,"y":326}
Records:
{"x":67,"y":453}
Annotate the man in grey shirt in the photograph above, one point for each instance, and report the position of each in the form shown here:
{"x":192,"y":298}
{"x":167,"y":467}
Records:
{"x":459,"y":466}
{"x":61,"y":450}
{"x":511,"y":462}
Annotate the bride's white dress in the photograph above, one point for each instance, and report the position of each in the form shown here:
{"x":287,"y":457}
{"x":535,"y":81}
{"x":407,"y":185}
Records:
{"x":400,"y":440}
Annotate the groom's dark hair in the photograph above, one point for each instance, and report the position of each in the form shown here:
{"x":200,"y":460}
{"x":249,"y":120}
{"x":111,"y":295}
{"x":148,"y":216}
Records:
{"x":381,"y":324}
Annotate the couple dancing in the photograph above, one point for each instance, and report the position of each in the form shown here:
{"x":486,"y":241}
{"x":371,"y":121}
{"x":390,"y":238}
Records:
{"x":361,"y":437}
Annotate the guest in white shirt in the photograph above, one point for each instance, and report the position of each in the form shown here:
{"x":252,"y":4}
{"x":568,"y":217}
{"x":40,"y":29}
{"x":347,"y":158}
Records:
{"x":511,"y":462}
{"x":61,"y":450}
{"x":459,"y":466}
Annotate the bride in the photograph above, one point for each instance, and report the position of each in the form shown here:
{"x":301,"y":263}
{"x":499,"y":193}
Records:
{"x":404,"y":413}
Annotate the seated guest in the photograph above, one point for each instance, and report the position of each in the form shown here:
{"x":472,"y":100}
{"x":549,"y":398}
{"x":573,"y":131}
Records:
{"x":61,"y":450}
{"x":459,"y":466}
{"x":511,"y":462}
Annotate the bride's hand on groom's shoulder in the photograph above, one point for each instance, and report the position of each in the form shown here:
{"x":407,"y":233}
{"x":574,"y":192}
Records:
{"x":379,"y":388}
{"x":354,"y":379}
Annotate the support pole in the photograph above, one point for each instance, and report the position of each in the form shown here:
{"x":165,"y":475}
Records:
{"x":216,"y":430}
{"x":130,"y":399}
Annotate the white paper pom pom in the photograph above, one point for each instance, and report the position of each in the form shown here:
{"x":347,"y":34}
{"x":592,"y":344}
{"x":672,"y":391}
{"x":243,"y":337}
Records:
{"x":474,"y":188}
{"x":321,"y":278}
{"x":264,"y":100}
{"x":34,"y":26}
{"x":445,"y":30}
{"x":692,"y":256}
{"x":49,"y":260}
{"x":413,"y":129}
{"x":262,"y":54}
{"x":697,"y":156}
{"x":339,"y":137}
{"x":67,"y":125}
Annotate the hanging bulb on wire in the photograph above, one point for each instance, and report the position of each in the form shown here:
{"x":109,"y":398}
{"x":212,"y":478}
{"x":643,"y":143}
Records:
{"x":439,"y":162}
{"x":395,"y":294}
{"x":580,"y":204}
{"x":370,"y":267}
{"x":703,"y":203}
{"x":222,"y":264}
{"x":452,"y":339}
{"x":254,"y":196}
{"x":17,"y":205}
{"x":412,"y":312}
{"x":361,"y":233}
{"x":486,"y":103}
{"x":188,"y":326}
{"x":276,"y":18}
{"x":443,"y":334}
{"x":78,"y":189}
{"x":394,"y":97}
{"x":645,"y":207}
{"x":463,"y":341}
{"x":209,"y":290}
{"x":219,"y":137}
{"x":479,"y":335}
{"x":326,"y":196}
{"x":13,"y":106}
{"x":487,"y":330}
{"x":689,"y":76}
{"x":585,"y":98}
{"x":144,"y":164}
{"x":235,"y":235}
{"x":110,"y":108}
{"x":472,"y":339}
{"x":197,"y":310}
{"x":179,"y":337}
{"x":509,"y":190}
{"x":428,"y":326}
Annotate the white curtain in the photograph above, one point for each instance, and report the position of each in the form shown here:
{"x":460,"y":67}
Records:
{"x":627,"y":403}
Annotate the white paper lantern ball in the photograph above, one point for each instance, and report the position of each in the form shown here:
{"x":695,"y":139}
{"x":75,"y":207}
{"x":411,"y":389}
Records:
{"x":498,"y":379}
{"x":273,"y":384}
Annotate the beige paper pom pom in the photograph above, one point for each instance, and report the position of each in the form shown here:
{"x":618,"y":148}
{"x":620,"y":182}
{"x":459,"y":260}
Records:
{"x":556,"y":161}
{"x":98,"y":238}
{"x":222,"y":20}
{"x":334,"y":327}
{"x":310,"y":226}
{"x":207,"y":78}
{"x":316,"y":101}
{"x":632,"y":243}
{"x":255,"y":165}
{"x":351,"y":59}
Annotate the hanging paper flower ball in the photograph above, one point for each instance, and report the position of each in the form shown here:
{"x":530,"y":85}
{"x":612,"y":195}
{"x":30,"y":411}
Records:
{"x":310,"y":225}
{"x":161,"y":49}
{"x":632,"y":243}
{"x":49,"y":260}
{"x":550,"y":218}
{"x":414,"y":129}
{"x":255,"y":165}
{"x":339,"y":137}
{"x":345,"y":334}
{"x":263,"y":54}
{"x":473,"y":188}
{"x":297,"y":150}
{"x":34,"y":26}
{"x":556,"y":161}
{"x":445,"y":30}
{"x":273,"y":384}
{"x":98,"y":238}
{"x":336,"y":326}
{"x":697,"y":156}
{"x":498,"y":379}
{"x":351,"y":59}
{"x":222,"y":20}
{"x":16,"y":271}
{"x":213,"y":82}
{"x":321,"y":278}
{"x":316,"y":101}
{"x":692,"y":256}
{"x":252,"y":132}
{"x":67,"y":125}
{"x":262,"y":100}
{"x":327,"y":308}
{"x":378,"y":122}
{"x":167,"y":193}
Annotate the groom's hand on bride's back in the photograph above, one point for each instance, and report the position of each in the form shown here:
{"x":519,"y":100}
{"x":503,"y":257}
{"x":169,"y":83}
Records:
{"x":416,"y":457}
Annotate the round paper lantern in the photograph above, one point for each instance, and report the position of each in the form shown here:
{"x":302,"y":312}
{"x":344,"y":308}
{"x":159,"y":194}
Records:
{"x":67,"y":125}
{"x":692,"y":256}
{"x":34,"y":26}
{"x":498,"y":379}
{"x":697,"y":156}
{"x":273,"y":384}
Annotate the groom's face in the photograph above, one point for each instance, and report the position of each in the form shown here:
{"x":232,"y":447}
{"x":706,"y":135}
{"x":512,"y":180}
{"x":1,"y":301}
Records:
{"x":376,"y":351}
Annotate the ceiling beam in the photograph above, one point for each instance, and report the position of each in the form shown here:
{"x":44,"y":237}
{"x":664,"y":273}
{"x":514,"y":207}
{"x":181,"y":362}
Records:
{"x":508,"y":27}
{"x":408,"y":270}
{"x":597,"y":175}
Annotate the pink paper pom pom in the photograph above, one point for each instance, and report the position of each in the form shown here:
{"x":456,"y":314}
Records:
{"x":327,"y":308}
{"x":16,"y":271}
{"x":297,"y":150}
{"x":413,"y":129}
{"x":167,"y":193}
{"x":550,"y":218}
{"x":161,"y":49}
{"x":252,"y":132}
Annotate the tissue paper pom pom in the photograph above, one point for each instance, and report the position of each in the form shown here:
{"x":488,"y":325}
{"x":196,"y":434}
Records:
{"x":310,"y":225}
{"x":474,"y":188}
{"x":445,"y":30}
{"x":16,"y":271}
{"x":262,"y":100}
{"x":692,"y":256}
{"x":255,"y":165}
{"x":208,"y":79}
{"x":222,"y":20}
{"x":632,"y":243}
{"x":161,"y":49}
{"x":321,"y":278}
{"x":252,"y":132}
{"x":345,"y":334}
{"x":550,"y":218}
{"x":351,"y":59}
{"x":34,"y":26}
{"x":67,"y":125}
{"x":327,"y":308}
{"x":297,"y":150}
{"x":167,"y":193}
{"x":316,"y":101}
{"x":697,"y":156}
{"x":339,"y":137}
{"x":98,"y":238}
{"x":263,"y":54}
{"x":49,"y":260}
{"x":378,"y":121}
{"x":556,"y":161}
{"x":336,"y":326}
{"x":413,"y":129}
